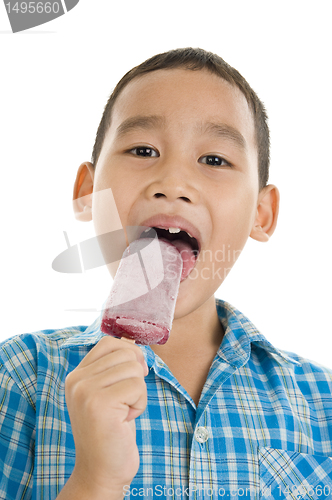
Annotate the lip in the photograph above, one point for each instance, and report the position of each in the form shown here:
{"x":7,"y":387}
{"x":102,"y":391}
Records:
{"x":166,"y":221}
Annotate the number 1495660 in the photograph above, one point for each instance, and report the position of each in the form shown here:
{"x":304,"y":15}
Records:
{"x":33,"y":7}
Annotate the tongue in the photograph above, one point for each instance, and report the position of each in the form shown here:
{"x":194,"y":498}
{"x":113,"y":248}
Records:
{"x":188,"y":257}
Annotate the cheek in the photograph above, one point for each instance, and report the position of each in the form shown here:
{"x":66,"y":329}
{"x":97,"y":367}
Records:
{"x":109,"y":213}
{"x":113,"y":205}
{"x":235,"y":216}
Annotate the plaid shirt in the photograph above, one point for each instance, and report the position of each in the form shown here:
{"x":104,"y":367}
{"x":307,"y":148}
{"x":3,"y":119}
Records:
{"x":262,"y":428}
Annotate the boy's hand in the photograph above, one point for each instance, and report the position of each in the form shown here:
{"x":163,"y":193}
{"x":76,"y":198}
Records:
{"x":104,"y":395}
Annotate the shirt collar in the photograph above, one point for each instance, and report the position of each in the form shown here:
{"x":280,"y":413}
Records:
{"x":240,"y":333}
{"x":235,"y":348}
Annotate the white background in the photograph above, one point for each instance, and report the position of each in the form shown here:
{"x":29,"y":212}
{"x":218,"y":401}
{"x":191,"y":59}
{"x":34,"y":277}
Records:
{"x":55,"y":81}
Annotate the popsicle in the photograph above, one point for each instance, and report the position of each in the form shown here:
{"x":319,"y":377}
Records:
{"x":142,"y":300}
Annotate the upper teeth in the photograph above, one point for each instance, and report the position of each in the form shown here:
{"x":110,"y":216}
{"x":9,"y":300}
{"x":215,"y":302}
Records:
{"x":171,"y":230}
{"x":177,"y":230}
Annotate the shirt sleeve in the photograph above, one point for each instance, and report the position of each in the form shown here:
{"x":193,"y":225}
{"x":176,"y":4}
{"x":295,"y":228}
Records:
{"x":17,"y":438}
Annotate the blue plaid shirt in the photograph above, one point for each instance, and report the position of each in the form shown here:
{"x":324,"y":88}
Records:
{"x":262,"y":428}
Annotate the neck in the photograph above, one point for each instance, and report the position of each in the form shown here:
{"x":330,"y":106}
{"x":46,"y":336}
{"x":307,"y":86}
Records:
{"x":192,"y":346}
{"x":198,"y":332}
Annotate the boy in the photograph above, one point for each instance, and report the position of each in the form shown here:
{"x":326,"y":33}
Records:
{"x":215,"y":412}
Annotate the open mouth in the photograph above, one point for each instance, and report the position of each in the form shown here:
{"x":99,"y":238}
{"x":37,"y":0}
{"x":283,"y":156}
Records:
{"x":187,"y":245}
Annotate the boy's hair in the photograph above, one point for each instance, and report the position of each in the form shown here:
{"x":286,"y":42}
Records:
{"x":196,"y":59}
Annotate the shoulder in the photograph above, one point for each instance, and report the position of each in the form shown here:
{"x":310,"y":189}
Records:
{"x":313,"y":380}
{"x":308,"y":366}
{"x":24,"y":348}
{"x":23,"y":356}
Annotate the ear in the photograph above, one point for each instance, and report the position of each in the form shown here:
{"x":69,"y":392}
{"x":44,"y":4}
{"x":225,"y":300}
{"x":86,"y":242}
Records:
{"x":266,"y":214}
{"x":82,"y":195}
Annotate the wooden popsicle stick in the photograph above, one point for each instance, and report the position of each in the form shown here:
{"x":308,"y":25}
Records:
{"x":132,"y":341}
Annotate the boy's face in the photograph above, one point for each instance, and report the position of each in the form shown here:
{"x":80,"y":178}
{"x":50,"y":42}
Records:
{"x":196,"y":158}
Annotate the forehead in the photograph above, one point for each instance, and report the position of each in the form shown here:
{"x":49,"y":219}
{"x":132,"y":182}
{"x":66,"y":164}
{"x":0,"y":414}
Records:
{"x":184,"y":97}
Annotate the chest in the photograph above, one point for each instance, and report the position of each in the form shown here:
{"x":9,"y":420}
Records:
{"x":192,"y":376}
{"x":258,"y":439}
{"x":249,"y":432}
{"x":192,"y":371}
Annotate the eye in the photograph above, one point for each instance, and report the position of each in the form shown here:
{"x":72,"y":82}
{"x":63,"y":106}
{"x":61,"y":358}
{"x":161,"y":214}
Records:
{"x":214,"y":161}
{"x":144,"y":151}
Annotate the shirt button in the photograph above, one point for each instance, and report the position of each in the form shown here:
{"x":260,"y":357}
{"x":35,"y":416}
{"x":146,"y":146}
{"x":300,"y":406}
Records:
{"x":201,"y":434}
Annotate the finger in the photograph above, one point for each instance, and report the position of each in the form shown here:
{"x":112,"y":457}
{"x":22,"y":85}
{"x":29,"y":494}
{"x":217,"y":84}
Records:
{"x":111,"y":360}
{"x":115,"y":374}
{"x":131,"y":395}
{"x":107,"y":345}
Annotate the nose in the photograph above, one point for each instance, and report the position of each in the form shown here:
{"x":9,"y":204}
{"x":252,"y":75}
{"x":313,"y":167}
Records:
{"x":174,"y":179}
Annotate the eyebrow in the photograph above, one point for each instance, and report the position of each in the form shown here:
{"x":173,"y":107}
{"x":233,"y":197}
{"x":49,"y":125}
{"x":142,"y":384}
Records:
{"x":155,"y":121}
{"x":225,"y":131}
{"x":140,"y":122}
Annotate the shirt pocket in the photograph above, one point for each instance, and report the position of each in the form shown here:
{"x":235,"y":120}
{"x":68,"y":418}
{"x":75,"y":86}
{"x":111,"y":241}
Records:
{"x":289,"y":475}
